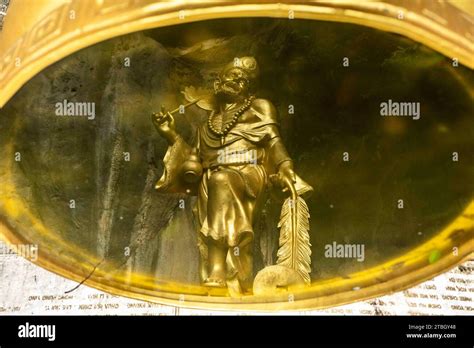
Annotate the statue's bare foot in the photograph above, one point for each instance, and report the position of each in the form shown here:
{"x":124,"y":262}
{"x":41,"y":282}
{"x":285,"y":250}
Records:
{"x":215,"y":280}
{"x":215,"y":283}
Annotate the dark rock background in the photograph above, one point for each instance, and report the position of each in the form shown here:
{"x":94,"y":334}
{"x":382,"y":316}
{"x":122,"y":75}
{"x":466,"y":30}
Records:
{"x":337,"y":109}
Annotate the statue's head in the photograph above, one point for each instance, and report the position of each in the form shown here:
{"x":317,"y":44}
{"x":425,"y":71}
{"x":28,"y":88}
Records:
{"x":236,"y":78}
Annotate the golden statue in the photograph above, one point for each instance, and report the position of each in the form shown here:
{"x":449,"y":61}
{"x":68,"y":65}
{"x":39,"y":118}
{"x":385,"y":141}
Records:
{"x":238,"y":155}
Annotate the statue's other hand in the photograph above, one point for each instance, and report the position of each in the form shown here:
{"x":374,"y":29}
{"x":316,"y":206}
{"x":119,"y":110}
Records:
{"x":285,"y":177}
{"x":165,"y":124}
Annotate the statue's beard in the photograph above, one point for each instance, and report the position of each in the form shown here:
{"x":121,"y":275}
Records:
{"x":229,"y":91}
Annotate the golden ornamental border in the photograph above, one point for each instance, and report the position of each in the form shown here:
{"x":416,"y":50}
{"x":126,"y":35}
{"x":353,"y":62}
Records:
{"x":30,"y":41}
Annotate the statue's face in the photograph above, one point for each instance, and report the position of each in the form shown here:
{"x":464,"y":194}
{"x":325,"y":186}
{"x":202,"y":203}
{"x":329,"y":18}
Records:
{"x":232,"y":83}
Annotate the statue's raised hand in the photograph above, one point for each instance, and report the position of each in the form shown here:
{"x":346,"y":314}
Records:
{"x":165,"y":125}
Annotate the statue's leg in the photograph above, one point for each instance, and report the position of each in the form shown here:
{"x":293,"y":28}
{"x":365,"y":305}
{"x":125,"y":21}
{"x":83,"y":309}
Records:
{"x":225,"y":215}
{"x":240,"y":260}
{"x":233,"y":194}
{"x":217,"y":252}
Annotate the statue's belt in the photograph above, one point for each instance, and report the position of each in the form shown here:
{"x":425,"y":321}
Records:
{"x":219,"y":166}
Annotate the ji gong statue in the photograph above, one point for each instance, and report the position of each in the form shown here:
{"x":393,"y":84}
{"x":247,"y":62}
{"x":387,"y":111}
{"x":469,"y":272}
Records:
{"x":238,"y":157}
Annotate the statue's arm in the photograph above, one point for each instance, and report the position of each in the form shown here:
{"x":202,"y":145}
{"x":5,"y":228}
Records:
{"x":272,"y":142}
{"x":165,"y":125}
{"x":178,"y":152}
{"x":279,"y":160}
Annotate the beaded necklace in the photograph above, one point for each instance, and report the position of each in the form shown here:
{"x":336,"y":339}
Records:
{"x":223,"y":132}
